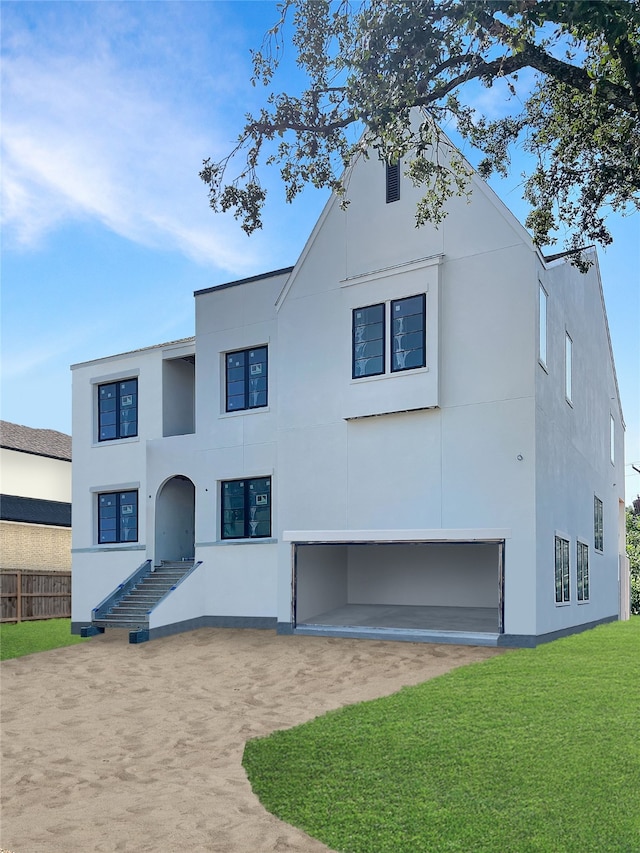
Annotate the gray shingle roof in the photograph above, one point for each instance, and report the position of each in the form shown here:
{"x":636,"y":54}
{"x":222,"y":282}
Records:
{"x":41,"y":442}
{"x":34,"y":511}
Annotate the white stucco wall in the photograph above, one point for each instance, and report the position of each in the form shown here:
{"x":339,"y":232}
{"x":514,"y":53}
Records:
{"x":29,"y":476}
{"x":467,"y":459}
{"x":434,"y":575}
{"x":572,"y":447}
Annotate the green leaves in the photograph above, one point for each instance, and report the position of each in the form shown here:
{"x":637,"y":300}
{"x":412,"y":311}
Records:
{"x":385,"y":74}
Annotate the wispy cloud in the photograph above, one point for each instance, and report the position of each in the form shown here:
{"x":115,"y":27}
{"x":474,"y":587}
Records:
{"x":87,"y":134}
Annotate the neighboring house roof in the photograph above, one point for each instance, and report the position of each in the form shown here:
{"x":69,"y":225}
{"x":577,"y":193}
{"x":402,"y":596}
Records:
{"x":35,"y":511}
{"x":40,"y":442}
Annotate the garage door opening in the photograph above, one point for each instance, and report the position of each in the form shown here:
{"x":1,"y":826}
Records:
{"x":443,"y":587}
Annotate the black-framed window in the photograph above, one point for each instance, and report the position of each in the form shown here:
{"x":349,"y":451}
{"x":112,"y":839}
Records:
{"x":118,"y":410}
{"x":408,"y":330}
{"x":598,"y":524}
{"x":563,"y":587}
{"x":368,"y":341}
{"x":582,"y":564}
{"x":246,"y":508}
{"x":408,"y":336}
{"x":118,"y":517}
{"x":393,"y":181}
{"x":246,"y":379}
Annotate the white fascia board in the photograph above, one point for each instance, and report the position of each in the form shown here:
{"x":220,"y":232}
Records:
{"x":386,"y":272}
{"x":489,"y":534}
{"x":188,"y":343}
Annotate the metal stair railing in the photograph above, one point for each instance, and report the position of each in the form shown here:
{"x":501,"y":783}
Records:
{"x":175,"y":585}
{"x":121,"y":590}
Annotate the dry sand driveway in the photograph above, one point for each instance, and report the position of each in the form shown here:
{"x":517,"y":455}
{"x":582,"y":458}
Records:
{"x":115,"y":747}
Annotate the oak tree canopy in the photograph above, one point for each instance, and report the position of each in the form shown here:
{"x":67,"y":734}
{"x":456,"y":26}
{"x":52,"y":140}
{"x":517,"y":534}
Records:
{"x":384,"y":76}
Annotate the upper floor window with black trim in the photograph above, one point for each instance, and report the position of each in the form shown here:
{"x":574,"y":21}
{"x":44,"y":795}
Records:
{"x":246,"y":508}
{"x":393,"y":181}
{"x":246,"y":379}
{"x":408,"y":333}
{"x":118,"y":410}
{"x":368,"y":341}
{"x":407,"y":344}
{"x":118,"y":517}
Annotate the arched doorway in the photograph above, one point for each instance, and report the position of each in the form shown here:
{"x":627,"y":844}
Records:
{"x":175,"y":520}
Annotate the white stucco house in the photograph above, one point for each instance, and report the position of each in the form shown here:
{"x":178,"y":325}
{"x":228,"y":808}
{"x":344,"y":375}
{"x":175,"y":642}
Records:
{"x":411,"y":433}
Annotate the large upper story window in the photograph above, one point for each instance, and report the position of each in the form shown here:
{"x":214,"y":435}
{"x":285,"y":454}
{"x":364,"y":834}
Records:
{"x":408,"y":333}
{"x":406,"y":319}
{"x":246,"y":508}
{"x":118,"y":517}
{"x":368,"y":341}
{"x":118,"y":410}
{"x":246,"y":379}
{"x":563,"y":589}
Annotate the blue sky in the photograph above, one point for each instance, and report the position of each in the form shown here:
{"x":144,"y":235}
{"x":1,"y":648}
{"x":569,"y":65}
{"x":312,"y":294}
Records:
{"x":108,"y":110}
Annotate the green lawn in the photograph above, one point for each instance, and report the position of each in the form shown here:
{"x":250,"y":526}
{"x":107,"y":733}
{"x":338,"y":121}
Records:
{"x":25,"y":638}
{"x":535,"y":750}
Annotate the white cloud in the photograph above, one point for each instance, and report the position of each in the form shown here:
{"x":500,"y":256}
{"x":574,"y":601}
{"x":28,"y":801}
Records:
{"x":88,"y":135}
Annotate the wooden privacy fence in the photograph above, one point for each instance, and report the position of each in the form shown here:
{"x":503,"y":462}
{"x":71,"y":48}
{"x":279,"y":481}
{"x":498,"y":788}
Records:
{"x":29,"y":595}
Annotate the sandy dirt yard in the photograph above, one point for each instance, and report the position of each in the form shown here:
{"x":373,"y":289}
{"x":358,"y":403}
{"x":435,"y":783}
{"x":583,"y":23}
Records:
{"x":108,"y":746}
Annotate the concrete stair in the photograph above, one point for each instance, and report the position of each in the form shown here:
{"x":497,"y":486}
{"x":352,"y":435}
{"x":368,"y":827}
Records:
{"x":132,"y":609}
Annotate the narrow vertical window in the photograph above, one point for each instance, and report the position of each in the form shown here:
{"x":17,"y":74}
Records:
{"x":118,"y":517}
{"x":118,"y":410}
{"x":408,"y":333}
{"x":582,"y":572}
{"x":246,"y":508}
{"x":598,"y":525}
{"x":568,"y":358}
{"x":562,"y":571}
{"x":393,"y":182}
{"x":542,"y":343}
{"x":612,"y":440}
{"x":368,"y":341}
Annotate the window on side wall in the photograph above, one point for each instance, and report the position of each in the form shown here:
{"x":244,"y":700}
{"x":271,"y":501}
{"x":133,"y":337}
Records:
{"x":118,"y":410}
{"x":542,"y":329}
{"x":117,"y":517}
{"x":246,"y":379}
{"x":598,"y":525}
{"x":612,"y":440}
{"x":246,"y":508}
{"x":563,"y":589}
{"x":568,"y":367}
{"x":582,"y":564}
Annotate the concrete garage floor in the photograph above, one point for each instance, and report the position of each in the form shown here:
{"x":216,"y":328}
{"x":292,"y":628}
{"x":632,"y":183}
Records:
{"x":473,"y":625}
